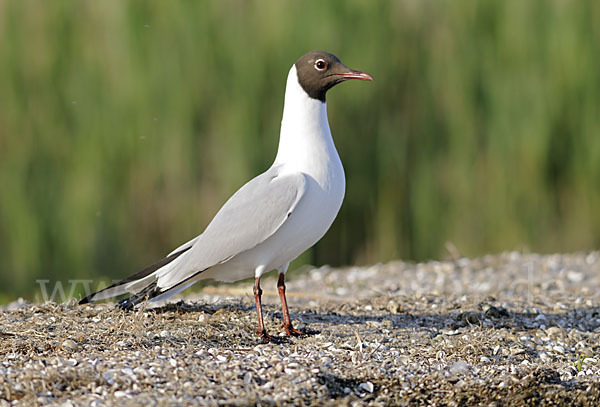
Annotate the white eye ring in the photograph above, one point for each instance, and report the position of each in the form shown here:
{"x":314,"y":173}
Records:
{"x":320,"y":64}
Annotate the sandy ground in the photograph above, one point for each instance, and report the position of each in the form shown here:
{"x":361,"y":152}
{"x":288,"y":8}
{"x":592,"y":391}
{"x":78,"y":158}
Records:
{"x":506,"y":330}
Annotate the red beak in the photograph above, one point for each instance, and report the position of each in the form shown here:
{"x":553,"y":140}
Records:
{"x":356,"y":75}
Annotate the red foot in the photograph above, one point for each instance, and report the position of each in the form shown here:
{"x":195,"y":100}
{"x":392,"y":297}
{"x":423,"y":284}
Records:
{"x":291,"y":331}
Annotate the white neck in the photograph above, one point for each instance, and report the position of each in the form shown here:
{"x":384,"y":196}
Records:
{"x":305,"y":142}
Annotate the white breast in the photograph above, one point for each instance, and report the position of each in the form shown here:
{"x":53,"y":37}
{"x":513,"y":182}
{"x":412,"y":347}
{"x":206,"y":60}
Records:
{"x":306,"y":146}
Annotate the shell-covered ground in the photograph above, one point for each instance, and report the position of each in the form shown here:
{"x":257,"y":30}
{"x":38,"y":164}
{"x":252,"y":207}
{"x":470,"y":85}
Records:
{"x":507,"y":330}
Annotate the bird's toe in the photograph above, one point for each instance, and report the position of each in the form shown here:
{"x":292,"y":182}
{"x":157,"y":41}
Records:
{"x":300,"y":333}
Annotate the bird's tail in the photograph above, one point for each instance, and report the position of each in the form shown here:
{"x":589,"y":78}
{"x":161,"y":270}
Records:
{"x":141,"y":284}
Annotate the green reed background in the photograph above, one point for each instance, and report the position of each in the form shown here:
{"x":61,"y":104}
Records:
{"x":124,"y":125}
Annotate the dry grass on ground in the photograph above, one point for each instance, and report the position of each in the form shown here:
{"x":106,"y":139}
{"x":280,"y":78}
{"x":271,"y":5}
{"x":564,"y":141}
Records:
{"x":504,"y":330}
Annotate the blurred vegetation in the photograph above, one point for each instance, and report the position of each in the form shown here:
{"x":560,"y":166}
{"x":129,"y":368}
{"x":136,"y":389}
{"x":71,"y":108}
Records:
{"x":125,"y":125}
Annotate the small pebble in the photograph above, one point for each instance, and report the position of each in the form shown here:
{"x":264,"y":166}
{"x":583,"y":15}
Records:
{"x":366,"y":386}
{"x":247,"y":378}
{"x":71,"y":345}
{"x":459,"y":368}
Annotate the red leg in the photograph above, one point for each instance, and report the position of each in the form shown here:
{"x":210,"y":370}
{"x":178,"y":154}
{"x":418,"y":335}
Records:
{"x":287,"y":323}
{"x":261,"y":331}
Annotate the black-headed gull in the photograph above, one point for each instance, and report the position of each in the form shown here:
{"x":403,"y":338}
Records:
{"x":273,"y":218}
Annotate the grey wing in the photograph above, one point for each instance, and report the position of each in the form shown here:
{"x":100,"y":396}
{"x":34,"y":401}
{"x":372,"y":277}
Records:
{"x":254,"y":213}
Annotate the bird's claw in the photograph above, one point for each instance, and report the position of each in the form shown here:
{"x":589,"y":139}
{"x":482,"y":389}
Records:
{"x":291,"y":331}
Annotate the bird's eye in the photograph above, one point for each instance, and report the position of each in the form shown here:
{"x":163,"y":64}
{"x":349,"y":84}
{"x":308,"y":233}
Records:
{"x":320,"y":65}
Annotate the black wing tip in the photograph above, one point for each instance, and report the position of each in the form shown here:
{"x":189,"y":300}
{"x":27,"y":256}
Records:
{"x":86,"y":300}
{"x":151,"y":291}
{"x":126,"y":305}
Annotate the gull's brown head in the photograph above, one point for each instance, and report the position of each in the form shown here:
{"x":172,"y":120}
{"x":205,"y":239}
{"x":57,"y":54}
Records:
{"x":319,"y":71}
